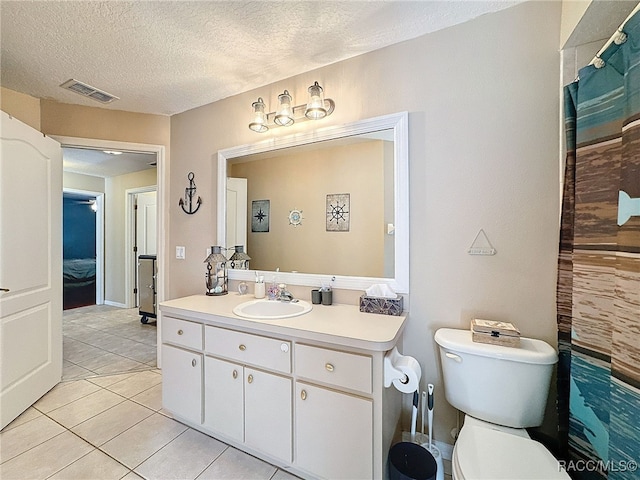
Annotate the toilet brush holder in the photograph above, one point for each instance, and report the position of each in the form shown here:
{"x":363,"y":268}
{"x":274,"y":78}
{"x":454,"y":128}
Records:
{"x":435,"y":453}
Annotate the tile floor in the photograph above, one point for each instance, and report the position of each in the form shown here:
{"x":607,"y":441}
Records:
{"x":103,"y":340}
{"x":105,"y":420}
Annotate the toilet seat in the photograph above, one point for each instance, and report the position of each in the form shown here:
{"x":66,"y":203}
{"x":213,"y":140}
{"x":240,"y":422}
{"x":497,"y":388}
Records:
{"x":488,"y":454}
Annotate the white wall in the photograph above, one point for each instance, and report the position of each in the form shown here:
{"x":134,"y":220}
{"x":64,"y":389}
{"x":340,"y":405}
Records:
{"x":483,"y":102}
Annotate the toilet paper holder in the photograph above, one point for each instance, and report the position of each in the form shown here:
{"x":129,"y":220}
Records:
{"x":396,"y":376}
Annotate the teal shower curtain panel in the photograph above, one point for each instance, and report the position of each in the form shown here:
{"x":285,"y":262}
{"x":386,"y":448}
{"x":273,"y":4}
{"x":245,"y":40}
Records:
{"x":598,"y":289}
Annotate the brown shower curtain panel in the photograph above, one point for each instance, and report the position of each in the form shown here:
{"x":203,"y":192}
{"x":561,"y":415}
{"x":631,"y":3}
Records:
{"x":599,"y":268}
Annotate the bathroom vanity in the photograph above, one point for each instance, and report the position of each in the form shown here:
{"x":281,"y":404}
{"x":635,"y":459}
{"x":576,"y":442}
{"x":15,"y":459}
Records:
{"x":304,"y":393}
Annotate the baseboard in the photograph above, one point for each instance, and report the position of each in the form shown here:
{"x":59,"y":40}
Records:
{"x":115,"y":304}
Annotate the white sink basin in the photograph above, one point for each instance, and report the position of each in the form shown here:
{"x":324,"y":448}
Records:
{"x":271,"y":309}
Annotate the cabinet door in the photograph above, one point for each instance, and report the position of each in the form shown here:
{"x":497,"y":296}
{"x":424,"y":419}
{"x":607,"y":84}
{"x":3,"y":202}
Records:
{"x":182,"y":383}
{"x":224,"y":397}
{"x":334,"y":433}
{"x":267,"y":413}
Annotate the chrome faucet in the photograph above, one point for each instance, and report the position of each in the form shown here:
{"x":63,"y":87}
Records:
{"x":285,"y":295}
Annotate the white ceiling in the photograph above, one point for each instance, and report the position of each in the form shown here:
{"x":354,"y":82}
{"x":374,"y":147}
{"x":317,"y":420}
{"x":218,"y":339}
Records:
{"x":98,"y":163}
{"x":166,"y":57}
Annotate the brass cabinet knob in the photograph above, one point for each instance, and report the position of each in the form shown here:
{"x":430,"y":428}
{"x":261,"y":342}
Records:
{"x":242,"y":347}
{"x":329,"y":367}
{"x":250,"y":379}
{"x":180,"y":332}
{"x":303,"y":394}
{"x":235,"y":374}
{"x":193,"y":362}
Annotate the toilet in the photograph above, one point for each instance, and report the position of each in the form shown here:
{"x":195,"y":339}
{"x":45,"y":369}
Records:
{"x":501,"y":390}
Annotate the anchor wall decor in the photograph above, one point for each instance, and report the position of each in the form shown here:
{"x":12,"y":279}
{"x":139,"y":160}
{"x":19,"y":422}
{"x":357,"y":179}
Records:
{"x":189,"y":193}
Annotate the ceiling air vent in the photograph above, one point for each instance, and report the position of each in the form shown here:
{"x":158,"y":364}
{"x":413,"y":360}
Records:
{"x":88,"y":91}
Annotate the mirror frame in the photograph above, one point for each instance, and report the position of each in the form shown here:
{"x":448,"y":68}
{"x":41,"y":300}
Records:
{"x":400,"y":124}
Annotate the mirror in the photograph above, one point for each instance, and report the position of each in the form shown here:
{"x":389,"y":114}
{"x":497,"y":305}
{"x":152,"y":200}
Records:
{"x":327,"y":205}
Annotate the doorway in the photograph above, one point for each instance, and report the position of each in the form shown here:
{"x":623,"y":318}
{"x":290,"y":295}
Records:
{"x":141,"y":235}
{"x":83,"y":248}
{"x":162,"y":206}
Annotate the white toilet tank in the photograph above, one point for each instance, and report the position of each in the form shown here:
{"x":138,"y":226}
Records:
{"x":503,"y":385}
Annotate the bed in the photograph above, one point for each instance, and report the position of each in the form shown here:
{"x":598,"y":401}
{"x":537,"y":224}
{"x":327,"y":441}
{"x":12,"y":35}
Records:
{"x":79,"y":282}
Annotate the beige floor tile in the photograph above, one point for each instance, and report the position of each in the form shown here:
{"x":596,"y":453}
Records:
{"x":99,"y":361}
{"x":18,"y":440}
{"x":46,"y":458}
{"x":71,"y":371}
{"x":135,"y":445}
{"x":64,"y":393}
{"x":184,"y":458}
{"x":29,"y":414}
{"x":106,"y":425}
{"x":94,"y":466}
{"x":122,"y":364}
{"x":151,"y":398}
{"x":282,"y":475}
{"x":132,"y":476}
{"x":85,"y":408}
{"x":234,"y":464}
{"x":105,"y":381}
{"x":136,"y":384}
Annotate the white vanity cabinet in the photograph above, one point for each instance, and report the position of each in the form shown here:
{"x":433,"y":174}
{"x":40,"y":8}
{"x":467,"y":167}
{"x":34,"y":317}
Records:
{"x":183,"y":367}
{"x":247,"y":404}
{"x":305,"y":394}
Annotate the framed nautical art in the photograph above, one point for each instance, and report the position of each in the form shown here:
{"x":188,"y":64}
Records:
{"x":260,"y":215}
{"x":338,"y":214}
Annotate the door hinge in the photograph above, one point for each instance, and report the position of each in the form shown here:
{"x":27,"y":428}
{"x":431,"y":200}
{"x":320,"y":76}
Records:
{"x":135,"y":290}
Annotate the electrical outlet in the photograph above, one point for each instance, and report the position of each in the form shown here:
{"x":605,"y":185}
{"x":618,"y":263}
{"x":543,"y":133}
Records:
{"x":180,"y":253}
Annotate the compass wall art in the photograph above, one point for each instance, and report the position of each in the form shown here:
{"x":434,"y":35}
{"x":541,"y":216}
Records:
{"x":338,"y":212}
{"x":260,"y":215}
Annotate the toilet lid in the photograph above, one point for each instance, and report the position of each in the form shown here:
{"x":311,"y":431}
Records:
{"x":487,"y":454}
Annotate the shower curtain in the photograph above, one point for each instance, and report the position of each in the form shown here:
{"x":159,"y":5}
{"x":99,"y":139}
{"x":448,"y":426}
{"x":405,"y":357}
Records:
{"x":598,"y":289}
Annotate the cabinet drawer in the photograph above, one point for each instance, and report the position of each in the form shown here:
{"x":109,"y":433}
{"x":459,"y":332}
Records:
{"x":182,"y":332}
{"x":348,"y":370}
{"x":249,"y":349}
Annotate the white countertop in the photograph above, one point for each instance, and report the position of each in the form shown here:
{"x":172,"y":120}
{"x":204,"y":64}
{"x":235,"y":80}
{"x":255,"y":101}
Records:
{"x":338,"y":324}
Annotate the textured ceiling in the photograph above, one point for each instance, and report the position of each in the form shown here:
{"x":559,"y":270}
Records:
{"x":97,"y":163}
{"x":166,"y":57}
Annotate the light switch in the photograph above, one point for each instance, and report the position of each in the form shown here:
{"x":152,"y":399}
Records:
{"x":180,"y":253}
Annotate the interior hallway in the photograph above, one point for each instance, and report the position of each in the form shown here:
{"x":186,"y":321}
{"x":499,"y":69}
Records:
{"x":105,"y":419}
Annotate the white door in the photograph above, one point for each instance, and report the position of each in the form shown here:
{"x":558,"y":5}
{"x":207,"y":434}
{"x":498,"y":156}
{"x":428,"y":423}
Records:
{"x":236,"y":212}
{"x":30,"y":266}
{"x":146,"y":232}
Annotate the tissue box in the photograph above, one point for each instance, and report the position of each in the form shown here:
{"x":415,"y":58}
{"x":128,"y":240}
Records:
{"x":495,"y":333}
{"x":385,"y":306}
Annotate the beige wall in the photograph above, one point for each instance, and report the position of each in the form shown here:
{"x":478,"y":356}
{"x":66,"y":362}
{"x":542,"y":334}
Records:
{"x":484,"y":115}
{"x":99,"y":123}
{"x":302,"y":181}
{"x":23,"y":107}
{"x":77,"y":181}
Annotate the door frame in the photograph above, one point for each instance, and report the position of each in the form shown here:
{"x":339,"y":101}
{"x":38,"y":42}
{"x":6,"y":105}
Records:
{"x":130,"y":234}
{"x":99,"y":196}
{"x":162,"y":182}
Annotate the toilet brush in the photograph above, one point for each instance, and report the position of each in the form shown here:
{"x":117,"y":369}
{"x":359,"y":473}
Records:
{"x":430,"y":446}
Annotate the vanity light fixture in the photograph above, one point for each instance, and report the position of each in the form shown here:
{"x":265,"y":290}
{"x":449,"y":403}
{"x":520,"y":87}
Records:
{"x":286,"y":115}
